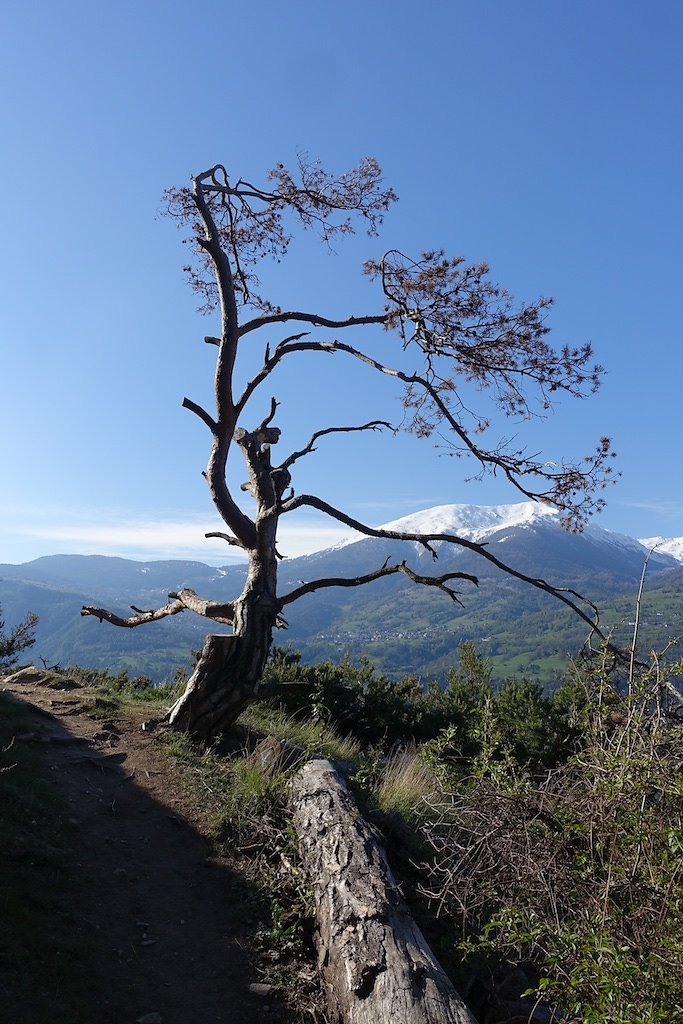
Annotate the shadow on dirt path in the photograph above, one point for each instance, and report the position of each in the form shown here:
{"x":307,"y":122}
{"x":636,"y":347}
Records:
{"x":161,"y":916}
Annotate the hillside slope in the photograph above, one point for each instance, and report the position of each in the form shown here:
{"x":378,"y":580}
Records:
{"x":400,"y":626}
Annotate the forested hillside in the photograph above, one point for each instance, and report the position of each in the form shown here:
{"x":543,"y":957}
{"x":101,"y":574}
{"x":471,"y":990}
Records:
{"x":400,"y":627}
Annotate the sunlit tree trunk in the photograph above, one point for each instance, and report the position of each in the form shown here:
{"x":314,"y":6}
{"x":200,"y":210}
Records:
{"x":228,"y":673}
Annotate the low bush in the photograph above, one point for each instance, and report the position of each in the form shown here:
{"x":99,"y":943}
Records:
{"x":576,"y":875}
{"x":379,"y":712}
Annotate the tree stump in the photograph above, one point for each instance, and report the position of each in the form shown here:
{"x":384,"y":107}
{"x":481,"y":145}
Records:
{"x":375,"y":963}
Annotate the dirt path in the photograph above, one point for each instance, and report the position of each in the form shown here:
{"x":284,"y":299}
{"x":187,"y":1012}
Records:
{"x":161,"y":915}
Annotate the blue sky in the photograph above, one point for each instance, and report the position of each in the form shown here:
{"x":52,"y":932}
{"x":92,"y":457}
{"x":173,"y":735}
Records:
{"x":542,"y":137}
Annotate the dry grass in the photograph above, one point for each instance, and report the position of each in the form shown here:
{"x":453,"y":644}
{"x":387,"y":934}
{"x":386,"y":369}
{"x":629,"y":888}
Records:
{"x":313,"y":736}
{"x":405,"y":785}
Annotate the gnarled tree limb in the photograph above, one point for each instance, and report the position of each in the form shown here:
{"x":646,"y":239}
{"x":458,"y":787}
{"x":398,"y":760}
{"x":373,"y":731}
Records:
{"x":310,"y":447}
{"x":565,"y":488}
{"x":427,"y":540}
{"x":204,"y":416}
{"x":178,"y":602}
{"x":310,"y":318}
{"x":228,"y":538}
{"x":384,"y":570}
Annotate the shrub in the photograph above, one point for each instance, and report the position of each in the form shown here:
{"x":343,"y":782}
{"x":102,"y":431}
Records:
{"x":16,"y":639}
{"x":578,"y":874}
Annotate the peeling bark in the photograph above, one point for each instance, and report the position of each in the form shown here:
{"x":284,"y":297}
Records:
{"x":224,"y":682}
{"x":375,"y":963}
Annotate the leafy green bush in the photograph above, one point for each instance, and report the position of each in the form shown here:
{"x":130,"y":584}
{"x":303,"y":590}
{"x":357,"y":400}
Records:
{"x":577,"y":874}
{"x":358,"y":700}
{"x":16,"y":639}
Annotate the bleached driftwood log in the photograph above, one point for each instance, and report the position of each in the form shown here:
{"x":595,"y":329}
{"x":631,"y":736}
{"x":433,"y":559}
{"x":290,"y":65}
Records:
{"x":375,"y":963}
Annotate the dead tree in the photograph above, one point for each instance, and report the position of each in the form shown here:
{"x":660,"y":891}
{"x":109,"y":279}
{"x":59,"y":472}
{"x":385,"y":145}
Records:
{"x":375,"y":964}
{"x":456,"y":329}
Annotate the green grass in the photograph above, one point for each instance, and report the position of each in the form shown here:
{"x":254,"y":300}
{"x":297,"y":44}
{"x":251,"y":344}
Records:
{"x":405,"y":786}
{"x":41,"y":960}
{"x":105,"y":696}
{"x":311,"y":735}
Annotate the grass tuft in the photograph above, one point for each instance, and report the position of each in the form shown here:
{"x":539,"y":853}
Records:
{"x":405,"y":785}
{"x":313,"y":736}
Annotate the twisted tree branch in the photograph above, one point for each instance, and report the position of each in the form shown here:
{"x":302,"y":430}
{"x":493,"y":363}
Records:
{"x":178,"y":602}
{"x":198,"y":410}
{"x":384,"y":570}
{"x":227,"y":537}
{"x":428,"y":539}
{"x":309,"y":318}
{"x":568,"y":488}
{"x":310,"y":447}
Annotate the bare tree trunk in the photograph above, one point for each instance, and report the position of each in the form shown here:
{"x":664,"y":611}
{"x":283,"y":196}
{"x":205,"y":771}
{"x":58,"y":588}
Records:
{"x":229,"y":670}
{"x":375,"y":963}
{"x":224,"y":682}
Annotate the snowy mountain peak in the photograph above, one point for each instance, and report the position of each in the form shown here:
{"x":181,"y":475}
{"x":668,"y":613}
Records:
{"x":665,"y":546}
{"x":478,"y":522}
{"x":473,"y":522}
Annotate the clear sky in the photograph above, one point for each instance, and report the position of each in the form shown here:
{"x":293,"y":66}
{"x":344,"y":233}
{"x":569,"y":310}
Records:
{"x":539,"y":135}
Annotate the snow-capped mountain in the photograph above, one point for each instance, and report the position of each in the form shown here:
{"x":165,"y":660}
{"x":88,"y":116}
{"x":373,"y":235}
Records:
{"x":479,"y":522}
{"x":517,"y":524}
{"x":402,"y":626}
{"x":665,"y":545}
{"x":472,"y":522}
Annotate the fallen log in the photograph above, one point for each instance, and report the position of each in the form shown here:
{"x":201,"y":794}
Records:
{"x":375,"y":963}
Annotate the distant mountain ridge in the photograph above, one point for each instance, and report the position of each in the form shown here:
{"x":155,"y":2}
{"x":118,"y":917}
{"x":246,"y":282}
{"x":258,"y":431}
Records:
{"x":400,"y":626}
{"x":471,"y":521}
{"x":477,"y":522}
{"x":665,"y":545}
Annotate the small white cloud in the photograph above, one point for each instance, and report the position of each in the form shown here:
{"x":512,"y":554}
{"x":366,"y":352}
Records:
{"x":304,"y":538}
{"x":148,"y":538}
{"x":661,"y":507}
